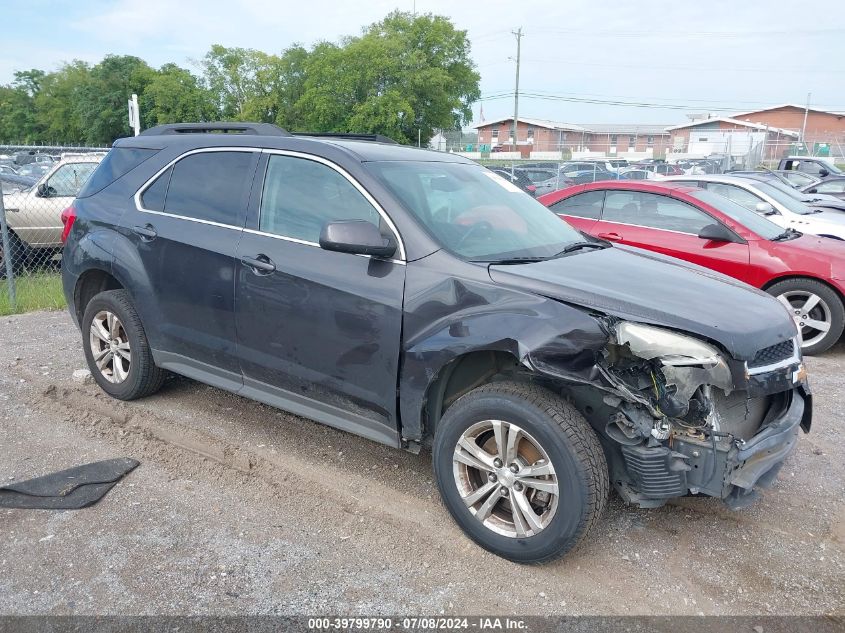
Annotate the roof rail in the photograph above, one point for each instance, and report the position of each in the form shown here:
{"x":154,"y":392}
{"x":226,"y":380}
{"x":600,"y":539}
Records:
{"x":350,"y":136}
{"x":221,"y":127}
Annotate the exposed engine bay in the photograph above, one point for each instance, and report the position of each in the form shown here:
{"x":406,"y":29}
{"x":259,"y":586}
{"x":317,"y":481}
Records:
{"x":682,"y":418}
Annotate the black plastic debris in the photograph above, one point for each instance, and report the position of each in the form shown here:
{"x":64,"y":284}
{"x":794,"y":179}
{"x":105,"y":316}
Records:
{"x":71,"y":489}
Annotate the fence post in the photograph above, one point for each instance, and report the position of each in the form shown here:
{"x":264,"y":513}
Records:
{"x":7,"y":256}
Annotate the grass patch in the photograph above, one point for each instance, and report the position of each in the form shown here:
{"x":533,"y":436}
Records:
{"x":35,"y":291}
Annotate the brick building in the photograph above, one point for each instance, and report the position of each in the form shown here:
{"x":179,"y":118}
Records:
{"x":541,"y":135}
{"x":780,"y":127}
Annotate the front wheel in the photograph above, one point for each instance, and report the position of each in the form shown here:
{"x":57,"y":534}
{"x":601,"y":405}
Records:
{"x":816,"y":309}
{"x":520,"y":471}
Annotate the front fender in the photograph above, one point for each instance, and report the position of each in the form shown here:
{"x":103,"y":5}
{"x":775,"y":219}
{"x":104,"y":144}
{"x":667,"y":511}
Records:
{"x":448,"y":317}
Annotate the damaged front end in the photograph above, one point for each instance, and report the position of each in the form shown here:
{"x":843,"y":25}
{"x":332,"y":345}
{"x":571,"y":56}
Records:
{"x":678,"y":416}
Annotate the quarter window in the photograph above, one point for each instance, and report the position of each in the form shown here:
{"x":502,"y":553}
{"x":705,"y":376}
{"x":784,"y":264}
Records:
{"x":153,"y":196}
{"x":584,"y":205}
{"x":301,"y":196}
{"x":653,"y":211}
{"x":211,"y":186}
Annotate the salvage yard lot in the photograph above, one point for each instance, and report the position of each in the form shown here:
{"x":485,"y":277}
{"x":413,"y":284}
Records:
{"x":241,"y":508}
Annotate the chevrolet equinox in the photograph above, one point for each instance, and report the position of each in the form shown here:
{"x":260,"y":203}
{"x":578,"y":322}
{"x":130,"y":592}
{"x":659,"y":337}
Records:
{"x":422,"y":301}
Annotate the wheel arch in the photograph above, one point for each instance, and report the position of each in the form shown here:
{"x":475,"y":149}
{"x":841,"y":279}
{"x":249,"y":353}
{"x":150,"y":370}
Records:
{"x":90,"y":283}
{"x":460,"y":375}
{"x":791,"y":277}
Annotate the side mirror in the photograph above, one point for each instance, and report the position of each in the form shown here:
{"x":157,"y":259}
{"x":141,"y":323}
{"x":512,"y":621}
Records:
{"x":813,"y":190}
{"x":823,"y":173}
{"x":358,"y":237}
{"x":43,"y":191}
{"x":717,"y":233}
{"x":764,"y":208}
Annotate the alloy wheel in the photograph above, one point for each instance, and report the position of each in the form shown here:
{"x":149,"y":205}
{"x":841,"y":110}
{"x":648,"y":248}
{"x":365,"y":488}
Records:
{"x":110,"y":346}
{"x":505,"y":478}
{"x":811,"y":314}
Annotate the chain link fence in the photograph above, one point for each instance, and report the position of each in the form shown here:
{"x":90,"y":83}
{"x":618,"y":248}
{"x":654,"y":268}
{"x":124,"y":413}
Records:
{"x":38,"y":184}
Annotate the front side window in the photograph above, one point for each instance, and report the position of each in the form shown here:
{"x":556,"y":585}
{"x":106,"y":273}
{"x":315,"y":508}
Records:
{"x":474,"y":213}
{"x":831,"y":186}
{"x":654,"y":211}
{"x":740,"y":214}
{"x":210,"y":186}
{"x":68,"y":179}
{"x":584,"y":205}
{"x":301,"y":196}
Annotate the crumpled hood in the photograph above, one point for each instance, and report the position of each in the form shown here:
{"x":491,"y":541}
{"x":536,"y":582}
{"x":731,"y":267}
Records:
{"x":647,"y":287}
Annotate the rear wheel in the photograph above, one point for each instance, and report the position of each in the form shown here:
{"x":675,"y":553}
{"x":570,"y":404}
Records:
{"x":816,"y":309}
{"x":520,"y":471}
{"x":116,"y":347}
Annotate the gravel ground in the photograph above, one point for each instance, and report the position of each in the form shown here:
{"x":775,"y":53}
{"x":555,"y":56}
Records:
{"x":241,"y":508}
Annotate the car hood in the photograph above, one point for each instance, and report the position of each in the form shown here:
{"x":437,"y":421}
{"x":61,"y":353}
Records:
{"x":647,"y":287}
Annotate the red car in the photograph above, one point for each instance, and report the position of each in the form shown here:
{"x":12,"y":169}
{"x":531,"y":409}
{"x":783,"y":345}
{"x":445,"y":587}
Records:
{"x":807,"y":273}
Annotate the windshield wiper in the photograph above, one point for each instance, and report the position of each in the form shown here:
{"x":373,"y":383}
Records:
{"x":579,"y":245}
{"x":515,"y":260}
{"x":788,"y":234}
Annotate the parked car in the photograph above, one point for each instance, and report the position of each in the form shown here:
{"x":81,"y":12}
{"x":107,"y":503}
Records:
{"x":814,"y":166}
{"x":816,"y":200}
{"x":545,"y":180}
{"x":418,"y":299}
{"x":612,"y":165}
{"x":661,"y":169}
{"x":29,"y":157}
{"x":579,"y":177}
{"x":806,"y":273}
{"x":34,"y":213}
{"x":833,"y":186}
{"x":636,"y":174}
{"x":34,"y":170}
{"x":8,"y":169}
{"x":770,"y":201}
{"x":13,"y":184}
{"x":516,"y":177}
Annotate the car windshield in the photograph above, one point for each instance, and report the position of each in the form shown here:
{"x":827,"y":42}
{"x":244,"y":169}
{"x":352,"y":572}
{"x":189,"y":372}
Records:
{"x":474,"y":213}
{"x":783,"y":198}
{"x":749,"y":219}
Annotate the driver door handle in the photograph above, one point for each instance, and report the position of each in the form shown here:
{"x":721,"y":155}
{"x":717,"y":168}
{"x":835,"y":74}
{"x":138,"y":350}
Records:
{"x":612,"y":237}
{"x":260,"y":264}
{"x":147,"y":232}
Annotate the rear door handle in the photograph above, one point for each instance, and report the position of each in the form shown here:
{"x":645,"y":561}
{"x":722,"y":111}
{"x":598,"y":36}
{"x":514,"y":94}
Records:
{"x":147,"y":232}
{"x":613,"y":237}
{"x":260,"y":264}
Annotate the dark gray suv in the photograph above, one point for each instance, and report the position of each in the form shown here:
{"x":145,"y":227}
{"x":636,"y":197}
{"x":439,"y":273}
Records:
{"x":420,"y":300}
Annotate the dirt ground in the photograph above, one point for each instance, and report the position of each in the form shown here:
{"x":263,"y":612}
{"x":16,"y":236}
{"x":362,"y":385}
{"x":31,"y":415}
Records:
{"x":241,"y":508}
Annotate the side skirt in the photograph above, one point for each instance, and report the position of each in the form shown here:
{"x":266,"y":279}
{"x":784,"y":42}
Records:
{"x":280,"y":398}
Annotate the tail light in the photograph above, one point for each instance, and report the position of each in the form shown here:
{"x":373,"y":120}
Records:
{"x":531,"y":189}
{"x":68,"y":218}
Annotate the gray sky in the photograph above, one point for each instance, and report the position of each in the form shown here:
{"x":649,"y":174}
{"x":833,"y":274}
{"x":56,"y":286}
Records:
{"x":701,"y":56}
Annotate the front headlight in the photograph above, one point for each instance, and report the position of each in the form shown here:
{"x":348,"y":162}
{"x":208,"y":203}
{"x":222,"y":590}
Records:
{"x":687,"y":362}
{"x":672,"y":349}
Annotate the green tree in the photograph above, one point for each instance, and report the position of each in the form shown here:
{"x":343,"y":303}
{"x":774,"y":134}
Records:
{"x":174,"y":95}
{"x":237,"y":80}
{"x":18,"y":121}
{"x":101,"y":102}
{"x":405,"y":75}
{"x":56,"y":103}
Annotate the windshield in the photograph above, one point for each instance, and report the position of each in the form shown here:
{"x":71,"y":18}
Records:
{"x":749,"y":219}
{"x":475,"y":213}
{"x":785,"y":199}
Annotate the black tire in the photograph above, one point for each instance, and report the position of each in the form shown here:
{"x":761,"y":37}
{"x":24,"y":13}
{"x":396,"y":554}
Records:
{"x":143,"y":378}
{"x":829,"y":296}
{"x":19,"y":255}
{"x":572,"y":447}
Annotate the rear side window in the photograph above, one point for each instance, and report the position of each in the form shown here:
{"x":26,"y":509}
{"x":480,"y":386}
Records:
{"x":584,"y":205}
{"x":654,"y":211}
{"x":118,"y":162}
{"x":209,"y":186}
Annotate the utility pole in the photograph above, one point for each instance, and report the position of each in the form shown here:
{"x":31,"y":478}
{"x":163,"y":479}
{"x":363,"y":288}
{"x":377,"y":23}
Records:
{"x":518,"y":34}
{"x":804,"y":127}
